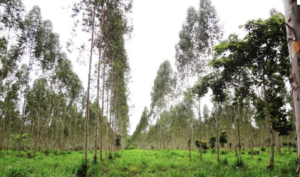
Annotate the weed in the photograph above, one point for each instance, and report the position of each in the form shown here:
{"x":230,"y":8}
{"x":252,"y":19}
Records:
{"x":133,"y":170}
{"x":110,"y":156}
{"x":17,"y":172}
{"x":117,"y":155}
{"x":225,"y":161}
{"x":82,"y":170}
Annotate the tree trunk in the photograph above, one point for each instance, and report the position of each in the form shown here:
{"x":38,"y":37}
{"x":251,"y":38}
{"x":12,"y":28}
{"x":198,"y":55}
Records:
{"x":74,"y":134}
{"x":4,"y":64}
{"x":98,"y":90}
{"x":25,"y":100}
{"x":279,"y":146}
{"x":2,"y":134}
{"x":200,"y":138}
{"x":292,"y":13}
{"x":88,"y":91}
{"x":49,"y":116}
{"x":268,"y":120}
{"x":217,"y":129}
{"x":38,"y":121}
{"x":250,"y":125}
{"x":102,"y":116}
{"x":8,"y":134}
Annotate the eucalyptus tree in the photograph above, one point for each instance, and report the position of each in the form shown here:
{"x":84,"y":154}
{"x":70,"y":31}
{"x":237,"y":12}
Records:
{"x":117,"y":26}
{"x":9,"y":111}
{"x":30,"y":27}
{"x":100,"y":46}
{"x":36,"y":99}
{"x":163,"y":85}
{"x":293,"y":32}
{"x":142,"y":125}
{"x":9,"y":20}
{"x":88,"y":9}
{"x":46,"y":51}
{"x":262,"y":55}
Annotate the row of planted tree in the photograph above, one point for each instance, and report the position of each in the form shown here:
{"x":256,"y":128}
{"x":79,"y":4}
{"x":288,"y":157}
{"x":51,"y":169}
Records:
{"x":43,"y":103}
{"x":247,"y":78}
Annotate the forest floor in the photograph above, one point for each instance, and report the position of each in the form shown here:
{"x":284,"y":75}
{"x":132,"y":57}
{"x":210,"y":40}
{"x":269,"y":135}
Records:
{"x":147,"y":163}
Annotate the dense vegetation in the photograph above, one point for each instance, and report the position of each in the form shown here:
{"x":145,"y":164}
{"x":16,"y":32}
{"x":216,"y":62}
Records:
{"x":148,"y":163}
{"x":43,"y":103}
{"x":51,"y":124}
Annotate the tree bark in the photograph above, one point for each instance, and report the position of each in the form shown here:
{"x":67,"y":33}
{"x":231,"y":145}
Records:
{"x":4,"y":63}
{"x":200,"y":138}
{"x":102,"y":116}
{"x":268,"y":120}
{"x":279,"y":146}
{"x":39,"y":115}
{"x":8,"y":134}
{"x":98,"y":93}
{"x":25,"y":100}
{"x":217,"y":128}
{"x":88,"y":90}
{"x":292,"y":20}
{"x":250,"y":125}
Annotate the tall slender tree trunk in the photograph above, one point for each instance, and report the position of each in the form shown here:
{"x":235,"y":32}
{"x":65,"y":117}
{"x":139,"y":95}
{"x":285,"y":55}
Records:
{"x":4,"y":63}
{"x":102,"y":115}
{"x":49,"y":116}
{"x":200,"y":138}
{"x":88,"y":91}
{"x":268,"y":120}
{"x":2,"y":134}
{"x":25,"y":100}
{"x":279,"y":146}
{"x":74,"y":130}
{"x":39,"y":116}
{"x":292,"y":13}
{"x":250,"y":126}
{"x":217,"y":128}
{"x":239,"y":134}
{"x":107,"y":124}
{"x":98,"y":92}
{"x":8,"y":134}
{"x":1,"y":82}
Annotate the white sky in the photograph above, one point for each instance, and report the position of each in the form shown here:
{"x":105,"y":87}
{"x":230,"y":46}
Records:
{"x":156,"y":26}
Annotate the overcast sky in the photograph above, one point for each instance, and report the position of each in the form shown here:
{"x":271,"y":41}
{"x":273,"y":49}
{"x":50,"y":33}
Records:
{"x":156,"y":26}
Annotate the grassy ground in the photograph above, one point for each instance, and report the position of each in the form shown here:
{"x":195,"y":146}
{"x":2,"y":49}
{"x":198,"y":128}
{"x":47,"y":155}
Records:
{"x":146,"y":163}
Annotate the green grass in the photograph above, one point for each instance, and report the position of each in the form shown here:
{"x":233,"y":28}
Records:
{"x":146,"y":163}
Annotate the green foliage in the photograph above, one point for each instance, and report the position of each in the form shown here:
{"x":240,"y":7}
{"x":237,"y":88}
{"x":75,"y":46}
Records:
{"x":18,"y":172}
{"x":118,"y":140}
{"x":223,"y":138}
{"x":212,"y":141}
{"x":203,"y":144}
{"x":146,"y":163}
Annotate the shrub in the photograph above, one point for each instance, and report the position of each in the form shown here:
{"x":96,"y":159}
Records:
{"x":263,"y":149}
{"x":225,"y":161}
{"x":29,"y":156}
{"x":203,"y":144}
{"x":133,"y":170}
{"x":223,"y":138}
{"x":223,"y":152}
{"x":117,"y":155}
{"x":110,"y":156}
{"x":238,"y":163}
{"x":16,"y":172}
{"x":131,"y":148}
{"x":212,"y":141}
{"x":82,"y":170}
{"x":47,"y":152}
